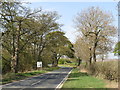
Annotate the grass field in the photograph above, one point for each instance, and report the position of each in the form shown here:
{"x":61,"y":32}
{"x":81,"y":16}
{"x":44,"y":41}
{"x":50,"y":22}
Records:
{"x":83,"y":80}
{"x":10,"y":77}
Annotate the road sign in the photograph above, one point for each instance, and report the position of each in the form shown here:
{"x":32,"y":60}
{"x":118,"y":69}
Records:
{"x":39,"y":64}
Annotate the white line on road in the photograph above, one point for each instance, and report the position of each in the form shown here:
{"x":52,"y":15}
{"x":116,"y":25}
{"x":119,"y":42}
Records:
{"x":62,"y":82}
{"x":35,"y":83}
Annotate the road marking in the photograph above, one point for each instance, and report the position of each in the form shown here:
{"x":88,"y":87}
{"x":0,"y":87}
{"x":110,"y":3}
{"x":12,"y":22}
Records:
{"x":61,"y":83}
{"x":35,"y":83}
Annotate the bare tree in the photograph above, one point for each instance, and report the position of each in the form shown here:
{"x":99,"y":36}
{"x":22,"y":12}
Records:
{"x":95,"y":26}
{"x":83,"y":50}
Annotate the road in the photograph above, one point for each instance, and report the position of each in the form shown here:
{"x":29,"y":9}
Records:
{"x":44,"y":81}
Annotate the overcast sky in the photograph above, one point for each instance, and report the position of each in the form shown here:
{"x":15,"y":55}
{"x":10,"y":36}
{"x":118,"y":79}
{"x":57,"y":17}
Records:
{"x":68,"y":10}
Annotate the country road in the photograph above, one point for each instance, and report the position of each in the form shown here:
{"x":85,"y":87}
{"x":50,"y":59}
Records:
{"x":48,"y":80}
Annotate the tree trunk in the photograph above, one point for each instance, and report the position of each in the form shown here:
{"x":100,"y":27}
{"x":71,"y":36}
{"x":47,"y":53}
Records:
{"x":17,"y":61}
{"x":13,"y":61}
{"x":54,"y":63}
{"x":17,"y":49}
{"x":79,"y":61}
{"x":90,"y":59}
{"x":55,"y":60}
{"x":86,"y":64}
{"x":94,"y":51}
{"x":35,"y":59}
{"x":94,"y":56}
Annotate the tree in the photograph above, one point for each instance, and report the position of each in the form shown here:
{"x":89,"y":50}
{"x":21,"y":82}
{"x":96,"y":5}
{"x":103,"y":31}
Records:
{"x":95,"y":27}
{"x":24,"y":35}
{"x":117,"y":49}
{"x":13,"y":15}
{"x":48,"y":23}
{"x":83,"y":50}
{"x":58,"y":45}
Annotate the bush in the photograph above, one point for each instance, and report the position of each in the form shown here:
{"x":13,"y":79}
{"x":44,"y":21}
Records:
{"x":65,"y":61}
{"x":108,"y":70}
{"x":61,"y":61}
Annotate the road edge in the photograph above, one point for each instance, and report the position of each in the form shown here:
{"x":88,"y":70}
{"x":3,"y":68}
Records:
{"x":25,"y":79}
{"x":63,"y":81}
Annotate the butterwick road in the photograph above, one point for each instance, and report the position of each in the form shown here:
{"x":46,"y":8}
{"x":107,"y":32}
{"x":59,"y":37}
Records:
{"x":48,"y":80}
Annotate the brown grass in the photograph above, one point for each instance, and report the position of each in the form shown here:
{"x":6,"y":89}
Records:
{"x":111,"y":84}
{"x":83,"y":70}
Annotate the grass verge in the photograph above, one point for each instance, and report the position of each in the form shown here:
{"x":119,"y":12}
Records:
{"x":67,"y":65}
{"x":82,"y":80}
{"x":10,"y":77}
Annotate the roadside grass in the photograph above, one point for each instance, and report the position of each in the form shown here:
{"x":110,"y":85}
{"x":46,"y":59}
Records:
{"x":51,"y":69}
{"x":82,"y":80}
{"x":10,"y":77}
{"x":67,"y":65}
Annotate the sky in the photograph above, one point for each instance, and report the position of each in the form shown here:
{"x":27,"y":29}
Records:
{"x":68,"y":10}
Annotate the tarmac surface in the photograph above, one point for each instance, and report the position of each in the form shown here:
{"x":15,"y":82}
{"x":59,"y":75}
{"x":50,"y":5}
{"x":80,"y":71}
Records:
{"x":45,"y":81}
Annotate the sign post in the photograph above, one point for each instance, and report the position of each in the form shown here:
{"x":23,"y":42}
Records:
{"x":39,"y":65}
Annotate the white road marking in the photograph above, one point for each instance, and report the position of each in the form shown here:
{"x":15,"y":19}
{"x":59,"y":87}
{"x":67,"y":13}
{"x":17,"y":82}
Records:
{"x":35,"y":83}
{"x":61,"y":83}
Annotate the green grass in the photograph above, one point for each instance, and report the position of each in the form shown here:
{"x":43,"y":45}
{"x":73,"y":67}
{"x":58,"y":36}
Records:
{"x":51,"y":69}
{"x":83,"y":80}
{"x":10,"y":77}
{"x":67,"y":65}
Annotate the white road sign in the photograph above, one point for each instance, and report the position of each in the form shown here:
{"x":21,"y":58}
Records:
{"x":39,"y":64}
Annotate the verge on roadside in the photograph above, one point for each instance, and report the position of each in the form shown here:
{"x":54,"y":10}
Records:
{"x":79,"y":79}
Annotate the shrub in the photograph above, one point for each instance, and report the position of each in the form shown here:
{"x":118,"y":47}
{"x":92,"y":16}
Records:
{"x":64,"y":61}
{"x":108,"y":70}
{"x":61,"y":61}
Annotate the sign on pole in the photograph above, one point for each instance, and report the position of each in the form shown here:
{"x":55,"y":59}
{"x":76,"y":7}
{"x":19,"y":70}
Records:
{"x":39,"y":64}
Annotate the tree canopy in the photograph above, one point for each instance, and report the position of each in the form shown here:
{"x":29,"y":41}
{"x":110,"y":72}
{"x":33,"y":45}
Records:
{"x":30,"y":36}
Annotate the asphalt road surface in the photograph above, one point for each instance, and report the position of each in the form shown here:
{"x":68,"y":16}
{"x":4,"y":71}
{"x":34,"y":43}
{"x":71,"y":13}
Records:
{"x":45,"y":81}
